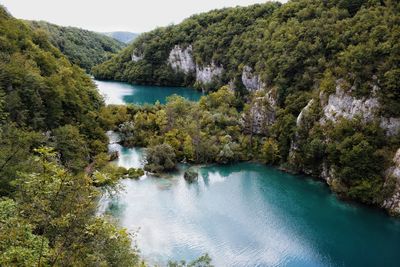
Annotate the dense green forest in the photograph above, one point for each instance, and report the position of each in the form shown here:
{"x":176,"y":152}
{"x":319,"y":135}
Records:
{"x":301,"y":52}
{"x":53,"y":147}
{"x":82,"y":47}
{"x":50,"y":130}
{"x":294,"y":47}
{"x":54,"y":165}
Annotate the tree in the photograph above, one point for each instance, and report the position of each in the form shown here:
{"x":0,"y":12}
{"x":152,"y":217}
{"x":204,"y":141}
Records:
{"x":60,"y":206}
{"x":270,"y":151}
{"x":72,"y":147}
{"x":160,"y":158}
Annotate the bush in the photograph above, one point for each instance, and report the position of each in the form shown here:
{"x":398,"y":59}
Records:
{"x":160,"y":158}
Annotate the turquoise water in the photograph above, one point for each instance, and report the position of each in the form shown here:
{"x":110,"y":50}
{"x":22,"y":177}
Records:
{"x":250,"y":215}
{"x":124,"y":93}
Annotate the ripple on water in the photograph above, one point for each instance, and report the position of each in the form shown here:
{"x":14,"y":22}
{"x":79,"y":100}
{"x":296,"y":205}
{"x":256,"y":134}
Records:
{"x":251,"y":215}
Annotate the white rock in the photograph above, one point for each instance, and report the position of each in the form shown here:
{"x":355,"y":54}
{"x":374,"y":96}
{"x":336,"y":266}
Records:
{"x":182,"y":59}
{"x":391,"y":125}
{"x":136,"y":57}
{"x":206,"y":74}
{"x":251,"y":81}
{"x":343,"y":105}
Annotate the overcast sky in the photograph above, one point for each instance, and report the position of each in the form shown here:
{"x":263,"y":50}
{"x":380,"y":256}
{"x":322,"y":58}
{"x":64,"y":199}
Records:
{"x":115,"y":15}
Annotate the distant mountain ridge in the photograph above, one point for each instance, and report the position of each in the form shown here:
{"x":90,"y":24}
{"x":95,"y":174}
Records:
{"x":125,"y":37}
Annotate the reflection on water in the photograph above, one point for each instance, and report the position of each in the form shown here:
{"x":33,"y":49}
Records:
{"x":119,"y":93}
{"x":250,"y":215}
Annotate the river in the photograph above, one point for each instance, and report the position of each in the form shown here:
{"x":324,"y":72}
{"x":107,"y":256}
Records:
{"x":249,"y":214}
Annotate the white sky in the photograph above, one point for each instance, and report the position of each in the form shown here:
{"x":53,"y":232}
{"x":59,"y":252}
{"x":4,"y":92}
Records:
{"x":115,"y":15}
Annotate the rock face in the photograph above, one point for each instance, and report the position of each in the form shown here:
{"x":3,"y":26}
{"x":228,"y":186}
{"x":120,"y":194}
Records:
{"x":342,"y":105}
{"x":208,"y":73}
{"x":392,"y":204}
{"x":392,"y":125}
{"x":262,"y":113}
{"x":136,"y":56}
{"x":251,"y":81}
{"x":181,"y":59}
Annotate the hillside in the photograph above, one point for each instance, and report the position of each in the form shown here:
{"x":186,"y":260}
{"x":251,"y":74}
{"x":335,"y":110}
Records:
{"x":124,"y":37}
{"x":318,"y":82}
{"x":51,"y":128}
{"x":82,"y":47}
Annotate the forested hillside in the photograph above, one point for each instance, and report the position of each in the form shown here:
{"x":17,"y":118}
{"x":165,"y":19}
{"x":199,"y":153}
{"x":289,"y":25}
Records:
{"x":51,"y":128}
{"x":316,"y":84}
{"x":82,"y":47}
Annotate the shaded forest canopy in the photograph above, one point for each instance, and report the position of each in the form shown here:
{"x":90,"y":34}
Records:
{"x":82,"y":47}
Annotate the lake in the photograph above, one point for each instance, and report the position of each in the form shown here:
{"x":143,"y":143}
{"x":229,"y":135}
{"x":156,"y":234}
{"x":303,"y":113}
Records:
{"x":118,"y":93}
{"x":250,"y":215}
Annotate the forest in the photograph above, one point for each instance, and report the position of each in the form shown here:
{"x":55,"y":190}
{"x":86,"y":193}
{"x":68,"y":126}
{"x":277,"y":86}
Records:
{"x":302,"y":52}
{"x":50,"y":130}
{"x":82,"y":47}
{"x":53,"y":147}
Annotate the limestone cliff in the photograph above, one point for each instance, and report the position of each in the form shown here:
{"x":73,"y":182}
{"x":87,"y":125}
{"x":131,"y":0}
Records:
{"x":262,"y":112}
{"x":392,"y":203}
{"x":136,"y":56}
{"x":207,"y":74}
{"x":251,"y":81}
{"x":181,"y":59}
{"x":342,"y":104}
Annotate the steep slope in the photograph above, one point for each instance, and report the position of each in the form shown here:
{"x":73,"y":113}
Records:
{"x":197,"y":50}
{"x":320,"y":82}
{"x":50,"y":130}
{"x":42,"y":91}
{"x":124,"y":37}
{"x":82,"y":47}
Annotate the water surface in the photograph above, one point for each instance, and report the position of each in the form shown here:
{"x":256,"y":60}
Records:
{"x":119,"y":93}
{"x":251,"y":215}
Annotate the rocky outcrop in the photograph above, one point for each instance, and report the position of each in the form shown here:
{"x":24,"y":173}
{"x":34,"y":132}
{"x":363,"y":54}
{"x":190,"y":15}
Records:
{"x":392,"y":204}
{"x":391,"y":125}
{"x":208,"y":73}
{"x":136,"y":56}
{"x":262,"y":113}
{"x":342,"y":104}
{"x":182,"y":59}
{"x":251,"y":81}
{"x":303,"y":114}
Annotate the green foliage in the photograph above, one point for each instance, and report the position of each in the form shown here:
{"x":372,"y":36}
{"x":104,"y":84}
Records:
{"x":270,"y":151}
{"x":211,"y":35}
{"x":19,"y":246}
{"x":160,"y":158}
{"x":203,"y":261}
{"x":293,"y":47}
{"x":15,"y":151}
{"x":41,"y":90}
{"x":44,"y":100}
{"x":60,"y":207}
{"x":72,"y":147}
{"x":83,"y":48}
{"x":207,"y":131}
